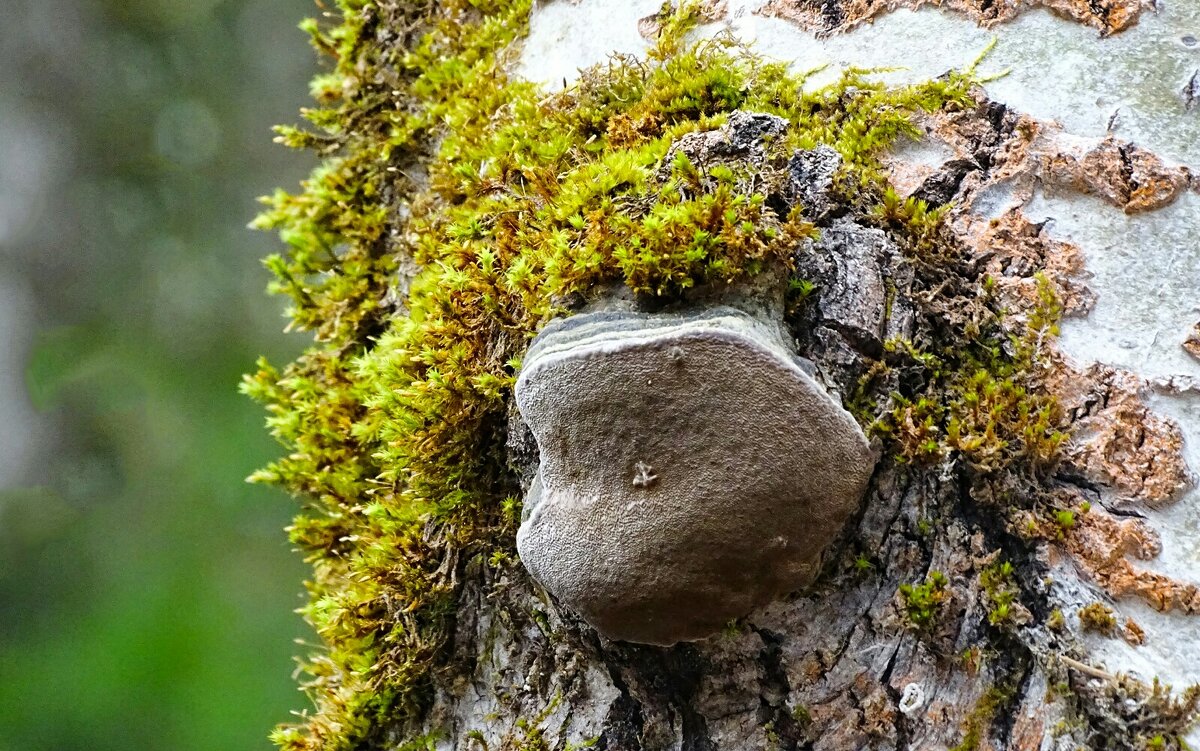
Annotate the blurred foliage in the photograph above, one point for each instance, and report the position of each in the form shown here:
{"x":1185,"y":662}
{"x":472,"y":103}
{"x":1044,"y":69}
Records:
{"x":147,"y":591}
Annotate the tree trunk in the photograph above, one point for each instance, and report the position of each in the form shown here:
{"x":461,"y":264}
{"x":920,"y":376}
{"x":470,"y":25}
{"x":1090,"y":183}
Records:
{"x":983,"y":593}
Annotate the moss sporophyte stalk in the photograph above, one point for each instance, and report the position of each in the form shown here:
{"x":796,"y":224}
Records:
{"x":454,"y":206}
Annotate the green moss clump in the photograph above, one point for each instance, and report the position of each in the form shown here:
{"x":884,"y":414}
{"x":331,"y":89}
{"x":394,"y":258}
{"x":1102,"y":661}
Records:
{"x":1098,"y":617}
{"x":981,"y":717}
{"x":979,"y":397}
{"x":508,"y":200}
{"x":998,"y":586}
{"x":923,"y":602}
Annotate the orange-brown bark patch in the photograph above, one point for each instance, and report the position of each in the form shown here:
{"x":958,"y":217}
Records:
{"x":1123,"y":174}
{"x":1102,"y":544}
{"x":837,"y":15}
{"x":1191,"y":345}
{"x":1116,"y":439}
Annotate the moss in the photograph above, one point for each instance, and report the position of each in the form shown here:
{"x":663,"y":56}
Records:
{"x":998,"y":586}
{"x":981,"y":399}
{"x":420,"y":743}
{"x":529,"y":734}
{"x":862,"y":564}
{"x":1098,"y":617}
{"x":981,"y":717}
{"x":510,"y":200}
{"x":1057,"y":621}
{"x":1129,"y":714}
{"x":802,"y":716}
{"x":972,"y":659}
{"x":1065,"y":519}
{"x":923,"y":602}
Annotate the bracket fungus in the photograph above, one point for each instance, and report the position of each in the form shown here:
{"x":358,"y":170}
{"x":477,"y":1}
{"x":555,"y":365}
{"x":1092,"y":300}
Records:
{"x":690,"y":469}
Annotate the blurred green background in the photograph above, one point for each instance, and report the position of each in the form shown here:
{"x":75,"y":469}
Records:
{"x":146,"y":591}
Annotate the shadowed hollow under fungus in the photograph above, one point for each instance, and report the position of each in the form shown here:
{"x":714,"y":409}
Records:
{"x":690,"y":471}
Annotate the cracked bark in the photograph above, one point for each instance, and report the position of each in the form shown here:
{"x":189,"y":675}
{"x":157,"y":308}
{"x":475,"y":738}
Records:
{"x":826,"y":668}
{"x":823,"y":670}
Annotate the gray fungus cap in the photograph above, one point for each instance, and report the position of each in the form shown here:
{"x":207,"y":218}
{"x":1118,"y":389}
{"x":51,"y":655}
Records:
{"x":690,"y":470}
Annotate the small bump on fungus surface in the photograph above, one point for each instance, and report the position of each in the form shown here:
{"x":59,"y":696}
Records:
{"x":690,"y":470}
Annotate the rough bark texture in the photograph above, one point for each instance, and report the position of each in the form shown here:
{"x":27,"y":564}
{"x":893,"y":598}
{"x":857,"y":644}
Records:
{"x":842,"y":666}
{"x":949,"y":614}
{"x":825,"y":670}
{"x":1110,"y":16}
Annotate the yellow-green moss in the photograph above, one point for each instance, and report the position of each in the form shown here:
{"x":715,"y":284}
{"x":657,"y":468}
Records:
{"x":981,"y":717}
{"x":980,"y":398}
{"x":997,"y":584}
{"x":509,"y":199}
{"x":1098,"y":617}
{"x":923,"y":602}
